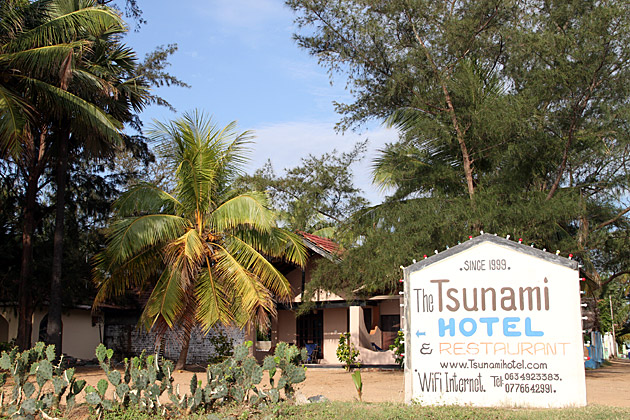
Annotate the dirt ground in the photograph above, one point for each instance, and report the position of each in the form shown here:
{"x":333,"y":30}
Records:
{"x":609,"y":385}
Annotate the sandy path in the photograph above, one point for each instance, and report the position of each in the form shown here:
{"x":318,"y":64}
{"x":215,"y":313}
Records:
{"x":337,"y":385}
{"x":609,"y":385}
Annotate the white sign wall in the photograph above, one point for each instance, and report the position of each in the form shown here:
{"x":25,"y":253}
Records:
{"x":494,"y":323}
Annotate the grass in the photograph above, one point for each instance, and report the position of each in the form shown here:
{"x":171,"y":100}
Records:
{"x":379,"y":411}
{"x":338,"y":410}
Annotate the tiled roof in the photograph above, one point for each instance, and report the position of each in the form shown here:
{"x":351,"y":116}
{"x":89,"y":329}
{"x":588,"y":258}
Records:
{"x":322,"y":243}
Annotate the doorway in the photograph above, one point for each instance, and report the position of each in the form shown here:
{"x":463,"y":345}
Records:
{"x":310,"y":330}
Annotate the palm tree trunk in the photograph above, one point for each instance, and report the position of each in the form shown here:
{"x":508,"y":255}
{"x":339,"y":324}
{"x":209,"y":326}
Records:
{"x":54,"y":327}
{"x":35,"y":162}
{"x":183,"y":354}
{"x":25,"y":298}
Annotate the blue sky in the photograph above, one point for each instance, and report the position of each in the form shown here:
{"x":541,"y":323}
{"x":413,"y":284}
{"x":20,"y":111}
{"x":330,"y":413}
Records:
{"x":242,"y":64}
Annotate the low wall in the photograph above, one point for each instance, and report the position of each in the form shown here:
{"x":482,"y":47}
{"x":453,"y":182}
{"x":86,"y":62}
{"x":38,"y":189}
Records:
{"x":129,"y":340}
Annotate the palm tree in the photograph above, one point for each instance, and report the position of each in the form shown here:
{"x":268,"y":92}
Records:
{"x":204,"y":248}
{"x":102,"y":75}
{"x":38,"y":45}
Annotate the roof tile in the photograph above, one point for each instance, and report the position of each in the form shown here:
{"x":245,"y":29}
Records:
{"x":324,"y":243}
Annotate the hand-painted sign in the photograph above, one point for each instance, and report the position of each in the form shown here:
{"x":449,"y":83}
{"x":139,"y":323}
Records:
{"x":492,"y":322}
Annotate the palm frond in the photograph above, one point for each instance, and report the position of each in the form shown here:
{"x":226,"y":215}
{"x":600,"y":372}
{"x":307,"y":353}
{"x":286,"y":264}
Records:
{"x":13,"y":118}
{"x":235,"y":151}
{"x":396,"y":164}
{"x":87,"y":118}
{"x":404,"y":119}
{"x":181,"y":330}
{"x":187,"y":253}
{"x":206,"y":158}
{"x":246,"y":284}
{"x":115,"y":278}
{"x":132,"y":235}
{"x":37,"y":62}
{"x":67,"y":22}
{"x":244,"y":255}
{"x":14,"y":14}
{"x":277,"y":244}
{"x":212,"y":298}
{"x":84,"y":80}
{"x":167,"y":301}
{"x":145,"y":198}
{"x":250,"y":210}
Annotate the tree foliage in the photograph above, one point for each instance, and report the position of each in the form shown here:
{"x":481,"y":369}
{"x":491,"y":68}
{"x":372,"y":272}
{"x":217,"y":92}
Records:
{"x":513,"y":119}
{"x":200,"y":250}
{"x":68,"y":86}
{"x":317,"y":196}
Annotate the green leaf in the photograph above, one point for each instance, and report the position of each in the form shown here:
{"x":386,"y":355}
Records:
{"x":5,"y":361}
{"x":122,"y":390}
{"x":69,"y":374}
{"x":29,"y":406}
{"x":102,"y":386}
{"x":59,"y":384}
{"x":78,"y":386}
{"x":356,"y":378}
{"x":28,"y":389}
{"x":114,"y":377}
{"x":101,"y":352}
{"x":93,"y":398}
{"x":45,"y":370}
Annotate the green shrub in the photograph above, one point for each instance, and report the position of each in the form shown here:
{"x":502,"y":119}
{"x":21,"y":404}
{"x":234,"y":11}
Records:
{"x":347,"y":353}
{"x":399,"y":348}
{"x":137,"y":389}
{"x":223,"y":346}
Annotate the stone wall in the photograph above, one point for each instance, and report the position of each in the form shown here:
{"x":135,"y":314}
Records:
{"x":128,"y":340}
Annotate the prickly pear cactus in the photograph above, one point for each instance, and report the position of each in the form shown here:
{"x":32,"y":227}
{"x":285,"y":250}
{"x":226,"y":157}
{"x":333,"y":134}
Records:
{"x":141,"y":383}
{"x":288,"y":360}
{"x":38,"y":384}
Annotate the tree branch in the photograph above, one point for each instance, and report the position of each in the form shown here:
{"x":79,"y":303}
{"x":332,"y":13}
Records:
{"x":614,"y":276}
{"x":613,"y":220}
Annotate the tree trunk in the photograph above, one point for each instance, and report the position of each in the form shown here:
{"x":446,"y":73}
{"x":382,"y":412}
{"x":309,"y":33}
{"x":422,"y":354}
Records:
{"x":34,"y":166}
{"x":54,"y":327}
{"x":25,"y":298}
{"x":183,"y":354}
{"x":466,"y":160}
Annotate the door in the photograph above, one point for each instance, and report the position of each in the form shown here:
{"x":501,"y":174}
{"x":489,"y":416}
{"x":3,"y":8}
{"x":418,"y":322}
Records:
{"x":310,"y":330}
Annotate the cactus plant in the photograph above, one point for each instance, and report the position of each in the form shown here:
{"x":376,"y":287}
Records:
{"x":39,"y":385}
{"x":287,"y":359}
{"x":141,"y":384}
{"x":238,"y":379}
{"x":31,"y":397}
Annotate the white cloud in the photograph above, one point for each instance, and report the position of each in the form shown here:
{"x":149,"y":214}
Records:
{"x":285,"y":144}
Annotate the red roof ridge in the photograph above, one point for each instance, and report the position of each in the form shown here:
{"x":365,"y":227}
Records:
{"x":326,"y":244}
